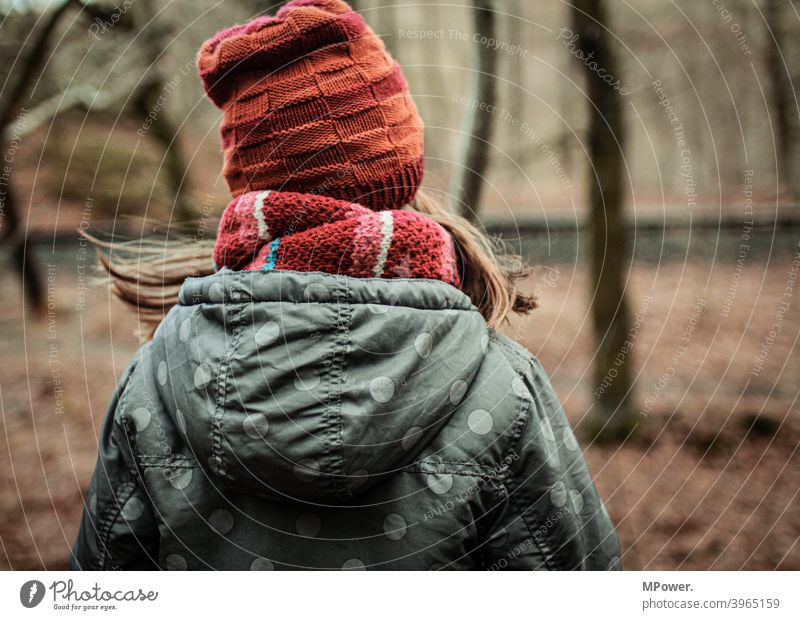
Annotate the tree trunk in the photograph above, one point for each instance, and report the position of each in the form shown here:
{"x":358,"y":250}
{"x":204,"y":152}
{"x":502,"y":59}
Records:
{"x":38,"y":53}
{"x":165,"y":133}
{"x":21,"y":254}
{"x":156,"y":37}
{"x":611,"y":416}
{"x":467,"y":182}
{"x":780,"y":94}
{"x":518,"y":66}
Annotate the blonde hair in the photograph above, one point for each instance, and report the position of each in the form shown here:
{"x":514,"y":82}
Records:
{"x":147,"y":275}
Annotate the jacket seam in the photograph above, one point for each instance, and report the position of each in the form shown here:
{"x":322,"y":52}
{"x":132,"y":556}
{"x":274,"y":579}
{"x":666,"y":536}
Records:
{"x":167,"y":458}
{"x":436,"y":464}
{"x":523,"y":419}
{"x":303,"y":302}
{"x":541,"y":545}
{"x":106,"y":523}
{"x":525,"y":360}
{"x":111,"y":518}
{"x":523,"y":412}
{"x":468,"y":463}
{"x":222,"y":393}
{"x":333,"y":411}
{"x":123,"y":399}
{"x":168,"y":465}
{"x":468,"y":474}
{"x":240,"y":275}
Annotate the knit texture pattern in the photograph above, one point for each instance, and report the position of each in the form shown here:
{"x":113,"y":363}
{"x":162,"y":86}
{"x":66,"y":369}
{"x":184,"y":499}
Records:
{"x":312,"y":102}
{"x":266,"y":230}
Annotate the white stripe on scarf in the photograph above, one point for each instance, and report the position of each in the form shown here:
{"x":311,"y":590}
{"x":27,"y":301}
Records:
{"x":258,"y":211}
{"x":387,"y":229}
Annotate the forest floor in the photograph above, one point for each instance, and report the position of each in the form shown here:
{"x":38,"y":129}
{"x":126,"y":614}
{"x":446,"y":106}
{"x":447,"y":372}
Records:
{"x":709,"y":481}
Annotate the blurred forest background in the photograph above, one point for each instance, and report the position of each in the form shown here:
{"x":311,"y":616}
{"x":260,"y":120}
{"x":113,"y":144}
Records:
{"x":643,"y":155}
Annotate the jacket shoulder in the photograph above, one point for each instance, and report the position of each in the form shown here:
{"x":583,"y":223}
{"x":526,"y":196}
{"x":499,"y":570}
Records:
{"x":141,"y":413}
{"x":491,"y":416}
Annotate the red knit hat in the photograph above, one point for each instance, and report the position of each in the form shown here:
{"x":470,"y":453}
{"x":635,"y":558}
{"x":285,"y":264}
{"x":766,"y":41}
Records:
{"x":313,"y":103}
{"x":303,"y":232}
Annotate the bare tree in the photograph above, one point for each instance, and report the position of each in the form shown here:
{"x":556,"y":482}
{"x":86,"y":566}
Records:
{"x":40,"y":105}
{"x":467,"y":182}
{"x":517,"y":70}
{"x":13,"y":103}
{"x":156,"y":35}
{"x":781,"y":92}
{"x":611,"y":416}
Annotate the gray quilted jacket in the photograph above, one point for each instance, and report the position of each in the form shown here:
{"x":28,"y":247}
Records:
{"x":281,"y":420}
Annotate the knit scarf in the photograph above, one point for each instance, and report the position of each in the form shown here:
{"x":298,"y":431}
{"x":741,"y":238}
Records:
{"x":273,"y":230}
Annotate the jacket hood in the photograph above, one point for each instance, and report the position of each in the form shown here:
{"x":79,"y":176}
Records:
{"x":314,"y":387}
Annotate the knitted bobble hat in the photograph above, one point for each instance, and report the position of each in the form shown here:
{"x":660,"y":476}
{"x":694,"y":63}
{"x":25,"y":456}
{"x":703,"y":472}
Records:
{"x":313,"y":103}
{"x":301,"y":232}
